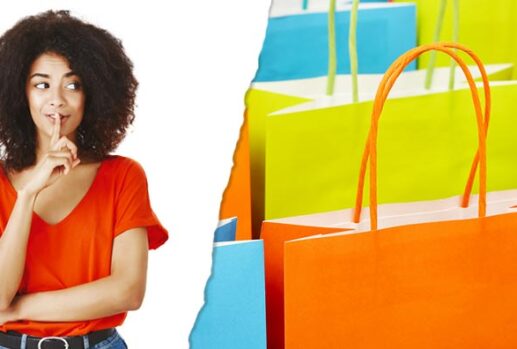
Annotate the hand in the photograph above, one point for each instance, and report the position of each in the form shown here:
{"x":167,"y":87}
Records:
{"x":60,"y":158}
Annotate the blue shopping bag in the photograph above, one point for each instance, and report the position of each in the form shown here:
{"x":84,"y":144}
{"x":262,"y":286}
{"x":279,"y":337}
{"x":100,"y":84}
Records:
{"x":226,"y":230}
{"x":296,"y":44}
{"x":233,"y":316}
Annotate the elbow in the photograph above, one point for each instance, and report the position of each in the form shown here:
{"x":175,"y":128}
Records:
{"x":133,"y":297}
{"x":134,"y":302}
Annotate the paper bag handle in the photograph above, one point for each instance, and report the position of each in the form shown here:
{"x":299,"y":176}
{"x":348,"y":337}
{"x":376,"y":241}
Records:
{"x":468,"y":188}
{"x":455,"y":38}
{"x":332,"y":60}
{"x":382,"y":93}
{"x":352,"y":49}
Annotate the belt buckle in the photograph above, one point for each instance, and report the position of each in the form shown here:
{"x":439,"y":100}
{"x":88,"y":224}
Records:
{"x":56,"y":338}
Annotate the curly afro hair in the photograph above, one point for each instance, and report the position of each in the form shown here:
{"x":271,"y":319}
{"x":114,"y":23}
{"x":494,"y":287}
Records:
{"x":98,"y":59}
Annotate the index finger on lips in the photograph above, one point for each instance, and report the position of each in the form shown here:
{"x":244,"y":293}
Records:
{"x":55,"y":132}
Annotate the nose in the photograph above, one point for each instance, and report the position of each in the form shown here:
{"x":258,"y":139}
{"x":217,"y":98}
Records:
{"x":56,"y":98}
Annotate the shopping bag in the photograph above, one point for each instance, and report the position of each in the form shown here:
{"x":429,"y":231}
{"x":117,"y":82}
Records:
{"x":312,"y":150}
{"x":276,"y":232}
{"x":238,"y":191}
{"x":440,"y":284}
{"x":266,"y":98}
{"x":389,"y":298}
{"x":296,"y":42}
{"x":226,"y":230}
{"x":233,"y":316}
{"x":487,"y":27}
{"x":237,"y":195}
{"x":274,"y":235}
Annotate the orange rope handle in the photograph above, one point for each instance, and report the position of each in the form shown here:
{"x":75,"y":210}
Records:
{"x":379,"y":104}
{"x":473,"y":170}
{"x":382,"y":93}
{"x":472,"y":174}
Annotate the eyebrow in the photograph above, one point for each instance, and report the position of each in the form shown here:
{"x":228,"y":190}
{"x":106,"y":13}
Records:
{"x":41,"y":75}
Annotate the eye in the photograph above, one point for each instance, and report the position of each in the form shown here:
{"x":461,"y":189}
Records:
{"x":73,"y":85}
{"x":41,"y":85}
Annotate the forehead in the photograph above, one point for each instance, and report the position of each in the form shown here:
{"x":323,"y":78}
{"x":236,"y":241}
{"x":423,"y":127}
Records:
{"x":50,"y":64}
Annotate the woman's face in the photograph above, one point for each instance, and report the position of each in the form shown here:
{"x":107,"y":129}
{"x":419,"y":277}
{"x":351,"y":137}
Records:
{"x":54,"y":93}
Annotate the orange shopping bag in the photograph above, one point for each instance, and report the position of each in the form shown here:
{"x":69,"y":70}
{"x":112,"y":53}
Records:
{"x":237,"y":195}
{"x":274,"y":236}
{"x":441,"y":284}
{"x":276,"y":232}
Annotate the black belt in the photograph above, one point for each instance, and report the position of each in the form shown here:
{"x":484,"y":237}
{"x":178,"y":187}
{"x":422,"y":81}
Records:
{"x":13,"y":340}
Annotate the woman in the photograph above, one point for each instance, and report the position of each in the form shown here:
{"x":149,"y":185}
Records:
{"x":75,"y":222}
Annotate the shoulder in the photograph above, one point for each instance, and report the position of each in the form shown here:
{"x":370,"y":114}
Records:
{"x":122,"y":164}
{"x":124,"y":171}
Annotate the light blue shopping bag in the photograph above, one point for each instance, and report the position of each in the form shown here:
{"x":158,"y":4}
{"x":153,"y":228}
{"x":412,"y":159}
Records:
{"x":296,"y":45}
{"x":226,"y":230}
{"x":233,"y":316}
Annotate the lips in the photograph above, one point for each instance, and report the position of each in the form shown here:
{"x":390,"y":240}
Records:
{"x":52,"y":117}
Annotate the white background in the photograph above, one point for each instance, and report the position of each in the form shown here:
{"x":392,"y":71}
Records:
{"x":194,"y":61}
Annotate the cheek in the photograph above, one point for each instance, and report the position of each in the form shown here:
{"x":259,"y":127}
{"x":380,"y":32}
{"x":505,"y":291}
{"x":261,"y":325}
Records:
{"x":34,"y":101}
{"x":78,"y":103}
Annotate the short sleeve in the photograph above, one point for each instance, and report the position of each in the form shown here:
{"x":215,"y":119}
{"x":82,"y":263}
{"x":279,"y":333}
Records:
{"x":133,"y":207}
{"x":7,"y":199}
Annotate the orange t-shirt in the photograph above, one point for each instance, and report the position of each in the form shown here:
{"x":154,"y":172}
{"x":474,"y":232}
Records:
{"x":78,"y":249}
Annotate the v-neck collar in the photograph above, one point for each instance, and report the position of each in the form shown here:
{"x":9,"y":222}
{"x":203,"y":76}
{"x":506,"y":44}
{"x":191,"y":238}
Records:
{"x":14,"y":193}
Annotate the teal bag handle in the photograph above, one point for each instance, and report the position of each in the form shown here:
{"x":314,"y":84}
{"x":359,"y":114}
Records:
{"x":437,"y":34}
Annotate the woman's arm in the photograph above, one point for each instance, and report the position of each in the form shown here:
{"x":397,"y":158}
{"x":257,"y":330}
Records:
{"x":13,"y":247}
{"x":13,"y":242}
{"x":123,"y":290}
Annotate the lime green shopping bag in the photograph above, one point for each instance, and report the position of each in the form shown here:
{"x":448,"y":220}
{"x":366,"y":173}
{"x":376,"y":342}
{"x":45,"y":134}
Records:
{"x":313,"y":151}
{"x":264,"y":99}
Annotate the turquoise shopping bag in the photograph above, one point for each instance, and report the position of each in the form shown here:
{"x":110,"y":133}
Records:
{"x":233,"y":316}
{"x":296,"y":43}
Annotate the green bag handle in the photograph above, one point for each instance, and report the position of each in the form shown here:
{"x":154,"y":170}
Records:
{"x":352,"y":48}
{"x":437,"y":34}
{"x":332,"y":62}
